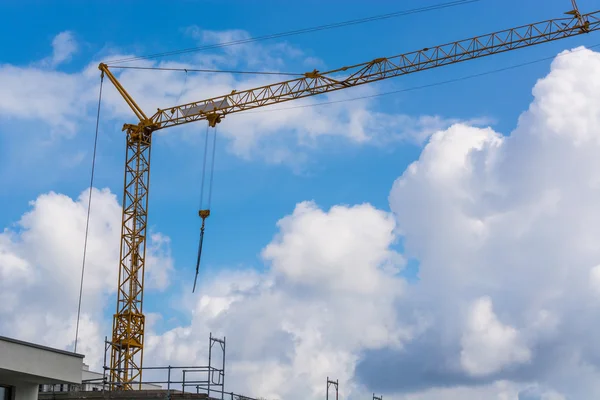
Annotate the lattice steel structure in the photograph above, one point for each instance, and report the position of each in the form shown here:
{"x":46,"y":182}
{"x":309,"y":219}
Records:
{"x":129,"y":321}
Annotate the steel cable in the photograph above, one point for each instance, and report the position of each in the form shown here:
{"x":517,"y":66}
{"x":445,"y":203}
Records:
{"x":89,"y":208}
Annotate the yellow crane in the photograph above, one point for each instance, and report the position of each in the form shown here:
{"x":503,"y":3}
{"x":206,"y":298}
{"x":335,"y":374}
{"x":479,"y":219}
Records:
{"x":127,"y":341}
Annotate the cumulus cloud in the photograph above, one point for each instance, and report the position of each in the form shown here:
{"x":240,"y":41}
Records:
{"x":328,"y":294}
{"x":40,"y":270}
{"x":487,"y":344}
{"x":504,"y":229}
{"x":312,"y":261}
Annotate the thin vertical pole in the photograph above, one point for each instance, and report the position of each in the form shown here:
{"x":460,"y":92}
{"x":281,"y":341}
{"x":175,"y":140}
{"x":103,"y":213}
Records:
{"x":169,"y":380}
{"x":104,"y":365}
{"x":223,"y":382}
{"x":210,"y":344}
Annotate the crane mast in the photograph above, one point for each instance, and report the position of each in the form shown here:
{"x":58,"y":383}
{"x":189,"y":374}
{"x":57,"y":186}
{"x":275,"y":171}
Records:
{"x":127,"y":341}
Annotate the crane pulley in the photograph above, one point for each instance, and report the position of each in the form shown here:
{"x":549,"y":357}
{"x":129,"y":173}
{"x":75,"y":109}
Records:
{"x":129,"y":322}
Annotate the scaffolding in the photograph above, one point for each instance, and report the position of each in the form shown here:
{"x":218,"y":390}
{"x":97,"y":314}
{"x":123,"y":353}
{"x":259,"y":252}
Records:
{"x":201,"y":379}
{"x":335,"y":385}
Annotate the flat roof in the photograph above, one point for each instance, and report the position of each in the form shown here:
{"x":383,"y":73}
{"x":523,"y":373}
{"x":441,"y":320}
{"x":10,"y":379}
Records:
{"x":39,"y":346}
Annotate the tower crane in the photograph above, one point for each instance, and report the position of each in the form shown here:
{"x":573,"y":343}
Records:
{"x":127,"y":341}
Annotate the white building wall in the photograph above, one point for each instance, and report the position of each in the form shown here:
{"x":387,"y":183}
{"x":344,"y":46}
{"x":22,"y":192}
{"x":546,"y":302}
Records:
{"x":43,"y":362}
{"x":25,"y":366}
{"x":26,"y":391}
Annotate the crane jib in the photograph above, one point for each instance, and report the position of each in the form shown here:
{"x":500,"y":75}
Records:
{"x":314,"y":83}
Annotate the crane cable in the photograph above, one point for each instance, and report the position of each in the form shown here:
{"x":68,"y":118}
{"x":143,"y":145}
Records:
{"x":182,"y":87}
{"x":87,"y":223}
{"x":205,"y":212}
{"x":433,"y":7}
{"x":212,"y":71}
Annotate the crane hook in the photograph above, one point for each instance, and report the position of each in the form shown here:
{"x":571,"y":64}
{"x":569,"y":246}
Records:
{"x":203,"y":214}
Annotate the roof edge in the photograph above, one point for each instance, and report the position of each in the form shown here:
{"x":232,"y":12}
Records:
{"x":41,"y":347}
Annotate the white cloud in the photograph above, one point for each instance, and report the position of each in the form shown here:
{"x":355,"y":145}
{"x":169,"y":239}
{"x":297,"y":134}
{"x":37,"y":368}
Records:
{"x":328,"y":295}
{"x":595,"y":279}
{"x":58,"y":99}
{"x":513,"y":219}
{"x":40,"y":270}
{"x":64,"y":46}
{"x":312,"y":248}
{"x":159,"y":262}
{"x":487,"y":344}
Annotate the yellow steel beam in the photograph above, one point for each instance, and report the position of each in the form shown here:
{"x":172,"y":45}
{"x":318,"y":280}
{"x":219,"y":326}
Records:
{"x":314,"y":83}
{"x":128,"y":99}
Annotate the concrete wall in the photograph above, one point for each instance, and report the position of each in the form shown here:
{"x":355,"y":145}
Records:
{"x":26,"y":391}
{"x":44,"y":362}
{"x":25,"y":366}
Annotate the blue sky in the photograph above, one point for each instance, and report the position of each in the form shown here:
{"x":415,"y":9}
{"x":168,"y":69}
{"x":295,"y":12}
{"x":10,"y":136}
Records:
{"x":251,"y":195}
